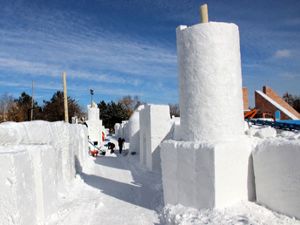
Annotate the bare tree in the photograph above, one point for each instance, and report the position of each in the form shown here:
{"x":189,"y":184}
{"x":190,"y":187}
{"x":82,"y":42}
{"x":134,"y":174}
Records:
{"x":174,"y":110}
{"x":130,"y":103}
{"x":6,"y":105}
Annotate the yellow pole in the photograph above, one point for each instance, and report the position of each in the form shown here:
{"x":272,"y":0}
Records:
{"x":64,"y":75}
{"x":204,"y":13}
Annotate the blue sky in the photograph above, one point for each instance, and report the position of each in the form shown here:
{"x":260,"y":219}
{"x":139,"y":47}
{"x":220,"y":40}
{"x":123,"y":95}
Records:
{"x":128,"y":47}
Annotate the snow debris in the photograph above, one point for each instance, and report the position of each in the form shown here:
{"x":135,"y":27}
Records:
{"x":241,"y":213}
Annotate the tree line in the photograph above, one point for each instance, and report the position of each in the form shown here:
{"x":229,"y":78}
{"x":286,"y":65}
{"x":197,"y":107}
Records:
{"x":20,"y":109}
{"x":293,"y":100}
{"x":115,"y":112}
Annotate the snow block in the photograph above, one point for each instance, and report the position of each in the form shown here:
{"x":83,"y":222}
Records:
{"x":17,"y":190}
{"x":116,"y":128}
{"x":79,"y":144}
{"x":277,"y":175}
{"x":134,"y":130}
{"x":46,"y":179}
{"x":202,"y":175}
{"x":36,"y":167}
{"x":155,"y":126}
{"x":124,"y":130}
{"x":60,"y":135}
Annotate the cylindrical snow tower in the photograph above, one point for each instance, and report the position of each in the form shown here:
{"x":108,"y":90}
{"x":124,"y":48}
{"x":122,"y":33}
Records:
{"x":93,"y":112}
{"x":211,"y":107}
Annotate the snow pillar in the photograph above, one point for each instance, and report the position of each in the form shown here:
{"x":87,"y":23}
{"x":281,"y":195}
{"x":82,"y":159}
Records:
{"x":211,"y":106}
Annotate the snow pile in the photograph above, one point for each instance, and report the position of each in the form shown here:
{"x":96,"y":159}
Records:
{"x":277,"y":175}
{"x":262,"y":132}
{"x":36,"y":167}
{"x":210,"y":78}
{"x":241,"y":213}
{"x":289,"y":135}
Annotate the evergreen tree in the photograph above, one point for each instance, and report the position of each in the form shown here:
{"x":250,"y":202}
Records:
{"x":53,"y":110}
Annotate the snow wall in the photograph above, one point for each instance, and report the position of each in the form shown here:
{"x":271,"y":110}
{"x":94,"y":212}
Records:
{"x":155,"y":126}
{"x":211,"y":106}
{"x":37,"y":162}
{"x":134,"y":130}
{"x":277,"y":175}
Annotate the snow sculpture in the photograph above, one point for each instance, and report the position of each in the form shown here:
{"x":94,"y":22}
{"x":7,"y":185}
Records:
{"x":208,"y":166}
{"x":94,"y":124}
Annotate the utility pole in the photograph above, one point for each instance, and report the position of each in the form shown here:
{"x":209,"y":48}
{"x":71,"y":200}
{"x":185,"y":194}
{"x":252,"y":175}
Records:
{"x":32,"y":102}
{"x":64,"y":76}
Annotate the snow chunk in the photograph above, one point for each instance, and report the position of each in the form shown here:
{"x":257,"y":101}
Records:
{"x":266,"y":132}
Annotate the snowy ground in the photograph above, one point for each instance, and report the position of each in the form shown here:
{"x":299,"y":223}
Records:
{"x":117,"y":190}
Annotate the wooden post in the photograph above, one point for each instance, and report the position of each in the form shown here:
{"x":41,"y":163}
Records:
{"x":32,"y":102}
{"x":204,"y":13}
{"x":64,"y":75}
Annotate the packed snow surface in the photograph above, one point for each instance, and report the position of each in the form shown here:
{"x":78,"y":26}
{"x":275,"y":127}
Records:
{"x":117,"y":190}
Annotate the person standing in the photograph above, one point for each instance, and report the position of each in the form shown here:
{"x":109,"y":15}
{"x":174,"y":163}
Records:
{"x":120,"y":143}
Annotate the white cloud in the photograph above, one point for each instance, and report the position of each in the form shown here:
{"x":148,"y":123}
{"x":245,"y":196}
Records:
{"x":290,"y":76}
{"x":93,"y":56}
{"x":283,"y":53}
